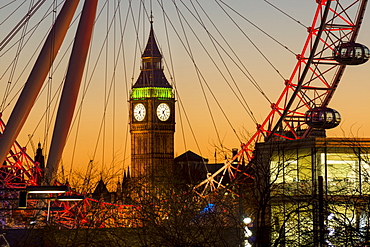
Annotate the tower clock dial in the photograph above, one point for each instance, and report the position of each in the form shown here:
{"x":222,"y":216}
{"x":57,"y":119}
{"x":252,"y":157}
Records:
{"x":163,"y":112}
{"x":139,"y":112}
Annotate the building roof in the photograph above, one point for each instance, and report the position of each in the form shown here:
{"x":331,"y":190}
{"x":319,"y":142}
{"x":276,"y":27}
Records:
{"x":152,"y":78}
{"x":151,"y":74}
{"x":190,"y":156}
{"x":100,"y":188}
{"x":151,"y":49}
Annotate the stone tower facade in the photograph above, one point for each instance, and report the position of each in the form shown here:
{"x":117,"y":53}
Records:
{"x":152,"y":119}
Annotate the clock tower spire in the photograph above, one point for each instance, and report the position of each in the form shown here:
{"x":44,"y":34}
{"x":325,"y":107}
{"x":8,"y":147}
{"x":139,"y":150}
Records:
{"x":152,"y":120}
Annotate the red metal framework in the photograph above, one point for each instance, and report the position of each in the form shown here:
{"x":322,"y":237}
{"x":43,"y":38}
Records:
{"x":92,"y":213}
{"x":311,"y":85}
{"x":19,"y":170}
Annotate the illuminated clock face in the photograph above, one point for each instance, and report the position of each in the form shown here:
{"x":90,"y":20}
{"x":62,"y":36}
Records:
{"x":163,"y":111}
{"x":139,"y":112}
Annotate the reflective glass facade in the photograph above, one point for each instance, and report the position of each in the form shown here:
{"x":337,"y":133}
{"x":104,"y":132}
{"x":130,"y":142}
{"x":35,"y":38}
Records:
{"x":344,"y":165}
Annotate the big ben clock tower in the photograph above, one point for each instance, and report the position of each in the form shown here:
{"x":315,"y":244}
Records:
{"x":152,"y":120}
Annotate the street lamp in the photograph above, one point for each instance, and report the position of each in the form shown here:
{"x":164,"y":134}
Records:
{"x":247,"y":220}
{"x":247,"y":232}
{"x":46,"y":189}
{"x":40,"y":190}
{"x":70,"y":198}
{"x":23,"y":194}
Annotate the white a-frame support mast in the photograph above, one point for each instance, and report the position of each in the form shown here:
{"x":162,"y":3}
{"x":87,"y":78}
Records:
{"x":37,"y":77}
{"x":71,"y":88}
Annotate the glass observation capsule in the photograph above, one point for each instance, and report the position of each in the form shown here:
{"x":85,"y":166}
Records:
{"x":323,"y":118}
{"x":351,"y":54}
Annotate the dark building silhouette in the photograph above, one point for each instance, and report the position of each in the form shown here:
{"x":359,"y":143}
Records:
{"x":190,"y":167}
{"x":101,"y":191}
{"x":40,"y":159}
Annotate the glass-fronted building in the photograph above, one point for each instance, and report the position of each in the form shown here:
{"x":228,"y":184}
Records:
{"x":319,"y":191}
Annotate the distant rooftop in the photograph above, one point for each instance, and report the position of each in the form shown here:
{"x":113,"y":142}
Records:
{"x":190,"y":156}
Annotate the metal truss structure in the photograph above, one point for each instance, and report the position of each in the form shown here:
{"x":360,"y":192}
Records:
{"x":329,"y":48}
{"x":20,"y":170}
{"x":312,"y":84}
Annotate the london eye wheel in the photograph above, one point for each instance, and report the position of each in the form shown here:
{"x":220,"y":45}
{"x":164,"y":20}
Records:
{"x":302,"y":108}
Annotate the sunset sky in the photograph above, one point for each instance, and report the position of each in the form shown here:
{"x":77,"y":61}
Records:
{"x":103,"y":136}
